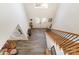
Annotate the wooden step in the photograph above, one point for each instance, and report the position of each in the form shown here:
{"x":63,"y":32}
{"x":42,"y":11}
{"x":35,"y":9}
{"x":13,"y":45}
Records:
{"x":47,"y":52}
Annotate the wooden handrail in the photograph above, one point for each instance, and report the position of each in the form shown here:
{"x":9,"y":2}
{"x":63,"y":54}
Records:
{"x":74,"y":44}
{"x":66,"y":32}
{"x":66,"y":41}
{"x":71,"y":43}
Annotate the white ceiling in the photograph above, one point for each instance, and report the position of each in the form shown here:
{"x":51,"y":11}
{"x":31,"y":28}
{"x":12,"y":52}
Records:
{"x":40,"y":12}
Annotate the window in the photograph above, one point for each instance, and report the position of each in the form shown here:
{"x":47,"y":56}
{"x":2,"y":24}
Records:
{"x":37,"y":20}
{"x":40,"y":20}
{"x":41,"y":5}
{"x":43,"y":20}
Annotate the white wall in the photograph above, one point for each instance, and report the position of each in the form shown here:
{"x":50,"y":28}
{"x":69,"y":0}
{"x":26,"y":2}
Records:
{"x":41,"y":12}
{"x":67,"y":18}
{"x":10,"y":16}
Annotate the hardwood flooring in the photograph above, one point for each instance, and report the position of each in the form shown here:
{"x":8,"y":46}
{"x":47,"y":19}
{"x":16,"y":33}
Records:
{"x":36,"y":45}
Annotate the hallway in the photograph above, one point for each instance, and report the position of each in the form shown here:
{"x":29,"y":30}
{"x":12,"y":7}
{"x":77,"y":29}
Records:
{"x":35,"y":46}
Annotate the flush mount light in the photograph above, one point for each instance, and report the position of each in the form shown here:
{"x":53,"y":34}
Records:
{"x":41,"y":5}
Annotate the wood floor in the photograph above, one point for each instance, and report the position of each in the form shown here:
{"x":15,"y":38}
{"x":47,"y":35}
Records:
{"x":34,"y":46}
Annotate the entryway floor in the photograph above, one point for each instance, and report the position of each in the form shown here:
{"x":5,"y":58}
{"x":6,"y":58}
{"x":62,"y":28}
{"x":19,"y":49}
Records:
{"x":34,"y":46}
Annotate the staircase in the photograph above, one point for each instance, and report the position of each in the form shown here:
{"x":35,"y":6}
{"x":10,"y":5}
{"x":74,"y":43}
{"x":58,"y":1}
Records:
{"x":68,"y":42}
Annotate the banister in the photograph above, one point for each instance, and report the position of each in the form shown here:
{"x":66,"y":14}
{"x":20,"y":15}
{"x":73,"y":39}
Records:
{"x":74,"y":44}
{"x":70,"y":43}
{"x":66,"y":32}
{"x":66,"y":41}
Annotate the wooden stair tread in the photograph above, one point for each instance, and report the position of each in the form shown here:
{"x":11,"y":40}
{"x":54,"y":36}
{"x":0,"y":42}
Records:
{"x":48,"y":52}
